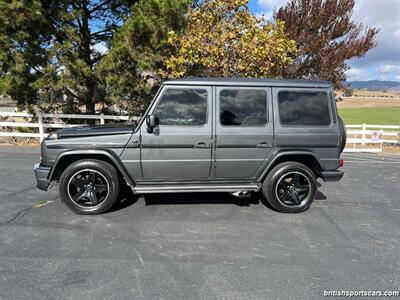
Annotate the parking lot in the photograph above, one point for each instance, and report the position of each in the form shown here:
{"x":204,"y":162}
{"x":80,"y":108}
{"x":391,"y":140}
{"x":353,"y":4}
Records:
{"x":200,"y":246}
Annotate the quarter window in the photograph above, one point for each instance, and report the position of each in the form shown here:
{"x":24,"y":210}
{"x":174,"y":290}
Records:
{"x":303,"y":108}
{"x":243,"y":107}
{"x":182,"y":107}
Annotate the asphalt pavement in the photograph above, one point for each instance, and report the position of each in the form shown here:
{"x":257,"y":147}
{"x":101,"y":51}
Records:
{"x":200,"y":246}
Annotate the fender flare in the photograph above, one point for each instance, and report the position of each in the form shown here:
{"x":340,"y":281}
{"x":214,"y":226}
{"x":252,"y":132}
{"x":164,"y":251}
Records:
{"x":278,"y":155}
{"x":111,"y":155}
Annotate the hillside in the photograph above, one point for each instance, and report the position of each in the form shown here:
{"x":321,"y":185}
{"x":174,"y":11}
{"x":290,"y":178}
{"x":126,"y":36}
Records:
{"x":375,"y":85}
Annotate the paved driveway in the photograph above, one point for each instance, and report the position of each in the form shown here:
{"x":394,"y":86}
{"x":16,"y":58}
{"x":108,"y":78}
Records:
{"x":200,"y":246}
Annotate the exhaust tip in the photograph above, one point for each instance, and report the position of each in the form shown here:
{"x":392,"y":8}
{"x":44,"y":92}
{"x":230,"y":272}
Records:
{"x":242,"y":194}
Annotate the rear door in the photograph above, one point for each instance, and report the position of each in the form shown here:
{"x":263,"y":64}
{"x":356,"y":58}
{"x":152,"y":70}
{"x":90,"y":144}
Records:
{"x":179,"y":148}
{"x":244,"y":130}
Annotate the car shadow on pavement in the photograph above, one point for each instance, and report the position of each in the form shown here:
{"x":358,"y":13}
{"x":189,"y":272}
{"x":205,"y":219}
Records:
{"x":199,"y":198}
{"x":128,"y":198}
{"x":320,"y":196}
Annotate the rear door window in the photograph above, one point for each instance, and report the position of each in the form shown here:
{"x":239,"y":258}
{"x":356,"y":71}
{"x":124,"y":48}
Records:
{"x":303,"y":108}
{"x":243,"y":107}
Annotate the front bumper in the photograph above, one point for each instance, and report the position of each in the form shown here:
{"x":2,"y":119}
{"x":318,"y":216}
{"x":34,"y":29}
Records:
{"x":329,"y":176}
{"x":42,"y":177}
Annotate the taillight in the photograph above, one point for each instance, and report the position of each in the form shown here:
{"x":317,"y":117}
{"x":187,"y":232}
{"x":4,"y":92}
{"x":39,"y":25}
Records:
{"x":341,"y":164}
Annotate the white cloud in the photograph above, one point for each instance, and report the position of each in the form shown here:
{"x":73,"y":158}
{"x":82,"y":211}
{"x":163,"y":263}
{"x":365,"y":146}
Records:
{"x":397,"y":32}
{"x":355,"y":74}
{"x":383,"y":14}
{"x":388,"y":68}
{"x":271,"y":4}
{"x":385,"y":58}
{"x":397,"y":77}
{"x":267,"y":7}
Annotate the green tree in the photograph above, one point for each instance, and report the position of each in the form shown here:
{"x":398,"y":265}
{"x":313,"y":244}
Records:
{"x":51,"y":48}
{"x":138,"y":50}
{"x":223,"y":38}
{"x":348,"y":92}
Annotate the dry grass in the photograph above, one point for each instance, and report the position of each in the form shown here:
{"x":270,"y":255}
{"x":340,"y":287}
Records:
{"x":388,"y":94}
{"x":391,"y":149}
{"x":352,"y":102}
{"x":19,"y":141}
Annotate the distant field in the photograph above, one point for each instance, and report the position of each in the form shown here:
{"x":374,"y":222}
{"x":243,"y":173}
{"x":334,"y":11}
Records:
{"x":371,"y":115}
{"x":368,"y":102}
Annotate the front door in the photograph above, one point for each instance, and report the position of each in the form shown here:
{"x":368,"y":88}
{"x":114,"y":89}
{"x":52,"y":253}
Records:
{"x":244,"y":131}
{"x":179,"y":148}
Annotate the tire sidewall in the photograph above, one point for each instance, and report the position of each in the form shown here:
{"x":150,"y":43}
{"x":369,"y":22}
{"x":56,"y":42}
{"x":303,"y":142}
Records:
{"x":104,"y":169}
{"x":271,"y":181}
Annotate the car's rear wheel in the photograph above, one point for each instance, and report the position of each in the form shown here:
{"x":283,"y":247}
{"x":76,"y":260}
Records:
{"x":290,"y":187}
{"x":89,"y":186}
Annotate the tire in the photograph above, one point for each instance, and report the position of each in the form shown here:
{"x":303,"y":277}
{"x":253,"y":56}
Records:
{"x":343,"y":134}
{"x":287,"y":180}
{"x":89,"y":187}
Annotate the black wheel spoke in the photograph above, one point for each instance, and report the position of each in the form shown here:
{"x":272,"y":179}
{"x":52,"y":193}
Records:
{"x":302,"y":188}
{"x":101,"y":188}
{"x":284,"y":195}
{"x":288,"y":198}
{"x":296,"y":179}
{"x":92,"y":177}
{"x":92,"y":197}
{"x":295,"y":197}
{"x":80,"y":195}
{"x":78,"y":183}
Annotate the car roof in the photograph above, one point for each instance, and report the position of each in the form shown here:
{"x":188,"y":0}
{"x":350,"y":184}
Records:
{"x":238,"y":81}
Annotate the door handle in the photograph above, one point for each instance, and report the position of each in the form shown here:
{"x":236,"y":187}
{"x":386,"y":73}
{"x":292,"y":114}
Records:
{"x":202,"y":145}
{"x":263,"y":145}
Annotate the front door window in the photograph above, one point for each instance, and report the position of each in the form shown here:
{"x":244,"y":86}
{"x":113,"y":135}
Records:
{"x":180,"y":107}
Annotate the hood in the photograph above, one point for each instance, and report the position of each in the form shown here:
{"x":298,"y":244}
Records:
{"x":98,"y":130}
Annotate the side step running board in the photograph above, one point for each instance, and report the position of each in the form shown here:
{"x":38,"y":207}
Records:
{"x":152,"y":189}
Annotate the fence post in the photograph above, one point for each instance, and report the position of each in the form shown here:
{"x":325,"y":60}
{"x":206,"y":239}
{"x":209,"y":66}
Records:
{"x":41,"y":129}
{"x":102,"y":119}
{"x":364,"y":128}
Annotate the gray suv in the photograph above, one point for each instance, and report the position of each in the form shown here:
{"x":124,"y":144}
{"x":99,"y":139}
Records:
{"x":233,"y":135}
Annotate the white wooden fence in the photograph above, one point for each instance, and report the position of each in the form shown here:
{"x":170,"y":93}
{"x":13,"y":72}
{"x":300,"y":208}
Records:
{"x":373,"y":136}
{"x":41,"y":123}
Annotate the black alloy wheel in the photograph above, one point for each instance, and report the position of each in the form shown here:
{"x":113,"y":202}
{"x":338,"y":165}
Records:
{"x":290,"y":187}
{"x":293,"y":188}
{"x":88,"y":188}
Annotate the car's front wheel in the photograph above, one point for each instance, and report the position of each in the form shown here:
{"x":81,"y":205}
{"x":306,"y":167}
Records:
{"x":290,"y":187}
{"x":89,"y":186}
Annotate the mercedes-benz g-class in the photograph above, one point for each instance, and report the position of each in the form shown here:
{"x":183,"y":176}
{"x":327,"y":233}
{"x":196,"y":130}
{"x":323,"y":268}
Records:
{"x":233,"y":135}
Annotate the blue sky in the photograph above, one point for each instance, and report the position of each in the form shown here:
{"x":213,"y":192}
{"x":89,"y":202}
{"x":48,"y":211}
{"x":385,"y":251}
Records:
{"x":381,"y":63}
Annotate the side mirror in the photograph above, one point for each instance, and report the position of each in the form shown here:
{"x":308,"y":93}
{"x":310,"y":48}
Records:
{"x":151,"y":122}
